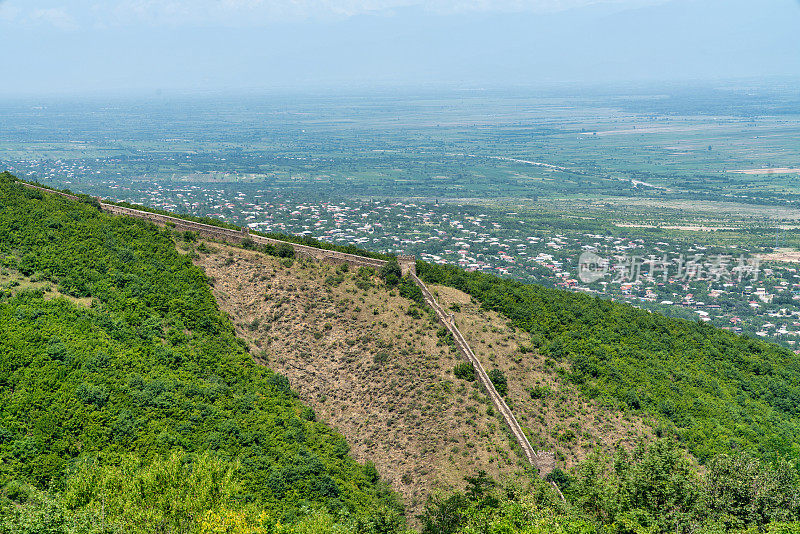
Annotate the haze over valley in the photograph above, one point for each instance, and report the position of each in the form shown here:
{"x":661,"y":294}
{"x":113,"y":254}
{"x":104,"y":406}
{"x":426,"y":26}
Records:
{"x":397,"y":267}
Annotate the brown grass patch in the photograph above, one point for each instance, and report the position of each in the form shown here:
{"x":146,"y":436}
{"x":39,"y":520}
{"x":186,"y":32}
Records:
{"x":557,"y":417}
{"x":372,"y":365}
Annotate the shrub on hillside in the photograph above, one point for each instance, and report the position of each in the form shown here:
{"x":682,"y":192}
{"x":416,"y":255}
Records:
{"x":284,"y":250}
{"x":498,"y":378}
{"x":411,"y":291}
{"x":391,"y":273}
{"x":464,"y":371}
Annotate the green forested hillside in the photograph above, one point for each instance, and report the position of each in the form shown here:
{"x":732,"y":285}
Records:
{"x":148,"y":370}
{"x":719,"y":392}
{"x":128,"y":405}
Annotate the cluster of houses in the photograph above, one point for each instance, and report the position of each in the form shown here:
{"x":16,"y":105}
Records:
{"x":763,"y":304}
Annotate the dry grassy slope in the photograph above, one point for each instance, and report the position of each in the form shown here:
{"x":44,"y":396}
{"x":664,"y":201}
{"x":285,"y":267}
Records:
{"x":384,"y":379}
{"x":559,"y":418}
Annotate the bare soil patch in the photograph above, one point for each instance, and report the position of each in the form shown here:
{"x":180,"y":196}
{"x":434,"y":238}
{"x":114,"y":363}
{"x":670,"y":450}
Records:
{"x":370,"y":364}
{"x":772,"y":170}
{"x":784,"y":255}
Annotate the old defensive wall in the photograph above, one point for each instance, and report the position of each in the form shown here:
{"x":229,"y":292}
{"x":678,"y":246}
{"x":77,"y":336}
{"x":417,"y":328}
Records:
{"x":543,"y":461}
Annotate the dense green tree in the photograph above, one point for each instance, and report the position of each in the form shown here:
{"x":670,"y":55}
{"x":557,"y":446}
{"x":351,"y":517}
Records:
{"x":498,"y":378}
{"x":742,"y":491}
{"x":391,"y":273}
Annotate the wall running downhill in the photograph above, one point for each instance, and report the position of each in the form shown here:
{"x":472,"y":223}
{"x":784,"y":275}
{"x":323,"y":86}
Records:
{"x":543,"y":461}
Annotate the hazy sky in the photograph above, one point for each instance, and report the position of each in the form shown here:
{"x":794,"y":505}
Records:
{"x":83,"y":14}
{"x":83,"y":46}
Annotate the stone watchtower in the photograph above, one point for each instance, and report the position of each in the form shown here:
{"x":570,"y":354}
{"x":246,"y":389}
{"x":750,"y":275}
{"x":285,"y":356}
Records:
{"x":408,"y":265}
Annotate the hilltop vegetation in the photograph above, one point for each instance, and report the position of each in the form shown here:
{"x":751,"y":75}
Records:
{"x":148,"y":378}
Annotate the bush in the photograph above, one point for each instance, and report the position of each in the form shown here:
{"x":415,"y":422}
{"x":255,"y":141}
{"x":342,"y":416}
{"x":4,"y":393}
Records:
{"x":364,"y":284}
{"x":632,"y":400}
{"x":91,"y":201}
{"x":540,"y":392}
{"x":498,"y":378}
{"x":445,"y":516}
{"x":561,"y":479}
{"x":391,"y":273}
{"x":408,"y":289}
{"x":464,"y":371}
{"x":334,"y":280}
{"x":284,"y":250}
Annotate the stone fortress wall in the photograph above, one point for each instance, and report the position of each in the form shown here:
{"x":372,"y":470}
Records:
{"x":543,"y":461}
{"x":407,"y":263}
